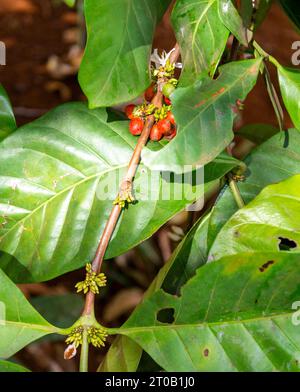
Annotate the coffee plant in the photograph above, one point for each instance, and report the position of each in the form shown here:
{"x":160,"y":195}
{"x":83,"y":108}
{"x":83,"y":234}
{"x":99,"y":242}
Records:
{"x":227,"y":298}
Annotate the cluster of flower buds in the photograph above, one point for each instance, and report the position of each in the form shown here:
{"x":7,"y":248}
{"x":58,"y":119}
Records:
{"x":163,"y":76}
{"x":92,"y":281}
{"x":95,"y":335}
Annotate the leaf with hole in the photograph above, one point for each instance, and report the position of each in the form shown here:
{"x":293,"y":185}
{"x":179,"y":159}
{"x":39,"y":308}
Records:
{"x":268,"y":223}
{"x":231,"y":316}
{"x":271,"y":162}
{"x":115,"y":66}
{"x":204,"y":114}
{"x":20,"y":323}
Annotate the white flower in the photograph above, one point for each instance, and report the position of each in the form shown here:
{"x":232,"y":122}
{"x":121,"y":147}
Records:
{"x":161,"y":60}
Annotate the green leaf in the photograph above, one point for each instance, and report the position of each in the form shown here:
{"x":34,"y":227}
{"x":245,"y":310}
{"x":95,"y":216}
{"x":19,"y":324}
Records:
{"x":58,"y":178}
{"x":204,"y":113}
{"x":70,"y":3}
{"x":123,"y":356}
{"x":230,"y":317}
{"x":257,"y":133}
{"x":115,"y":66}
{"x":186,"y":259}
{"x":269,"y":163}
{"x":201,"y":35}
{"x":289,"y":81}
{"x":246,"y":12}
{"x":292,"y":9}
{"x":7,"y":119}
{"x":232,"y":20}
{"x":262,"y":11}
{"x":253,"y":17}
{"x":269,"y":223}
{"x":20,"y":323}
{"x":11,"y":367}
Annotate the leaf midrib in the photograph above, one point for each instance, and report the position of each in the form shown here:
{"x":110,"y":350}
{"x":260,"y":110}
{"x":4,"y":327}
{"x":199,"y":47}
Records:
{"x":38,"y":327}
{"x":201,"y":324}
{"x":117,"y":58}
{"x":203,"y":14}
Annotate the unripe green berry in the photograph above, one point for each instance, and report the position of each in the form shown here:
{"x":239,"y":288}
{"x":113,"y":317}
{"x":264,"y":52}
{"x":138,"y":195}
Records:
{"x":168,"y":89}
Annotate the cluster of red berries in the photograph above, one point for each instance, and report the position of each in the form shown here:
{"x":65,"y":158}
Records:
{"x":163,"y":127}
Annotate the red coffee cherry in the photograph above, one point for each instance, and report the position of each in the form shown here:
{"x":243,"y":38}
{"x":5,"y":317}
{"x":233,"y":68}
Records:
{"x":172,"y":135}
{"x":167,"y":101}
{"x":150,"y":92}
{"x":136,"y":126}
{"x":129,"y":111}
{"x":155,"y":133}
{"x":164,"y":126}
{"x":171,"y":118}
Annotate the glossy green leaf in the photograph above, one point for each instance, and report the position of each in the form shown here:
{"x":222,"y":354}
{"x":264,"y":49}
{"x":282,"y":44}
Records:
{"x":292,"y":9}
{"x":269,"y":163}
{"x":269,"y":223}
{"x":257,"y":133}
{"x":231,"y":316}
{"x":123,"y":356}
{"x":253,"y":17}
{"x":115,"y":66}
{"x":11,"y":367}
{"x":232,"y":20}
{"x":20,"y":323}
{"x":204,"y":113}
{"x":187,"y":258}
{"x":58,"y":178}
{"x":7,"y":119}
{"x":246,"y":12}
{"x":201,"y":35}
{"x":289,"y":81}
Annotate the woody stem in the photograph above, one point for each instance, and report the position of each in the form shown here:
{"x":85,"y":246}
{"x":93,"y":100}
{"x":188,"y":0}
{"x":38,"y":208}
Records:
{"x":128,"y":179}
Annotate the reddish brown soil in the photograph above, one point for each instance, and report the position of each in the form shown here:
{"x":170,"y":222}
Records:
{"x":33,"y":31}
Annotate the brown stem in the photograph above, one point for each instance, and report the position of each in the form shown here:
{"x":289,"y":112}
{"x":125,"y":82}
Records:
{"x":131,"y":171}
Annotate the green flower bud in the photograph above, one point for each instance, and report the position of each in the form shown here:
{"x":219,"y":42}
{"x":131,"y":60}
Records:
{"x":92,"y":281}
